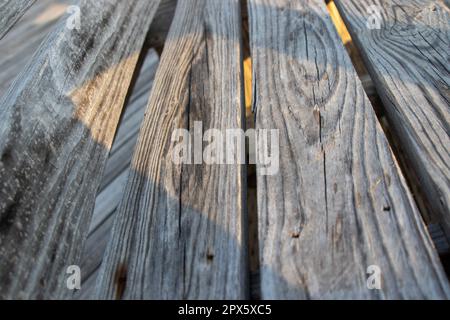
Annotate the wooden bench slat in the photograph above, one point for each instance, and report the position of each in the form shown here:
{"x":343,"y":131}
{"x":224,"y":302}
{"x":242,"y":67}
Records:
{"x":115,"y":177}
{"x":161,"y":24}
{"x":179,"y":232}
{"x":408,"y":59}
{"x":17,"y":48}
{"x":10,"y":12}
{"x":126,"y":135}
{"x":57,"y":125}
{"x":339,"y":203}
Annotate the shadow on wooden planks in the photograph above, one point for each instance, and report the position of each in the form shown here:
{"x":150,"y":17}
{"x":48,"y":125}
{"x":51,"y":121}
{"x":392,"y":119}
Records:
{"x":57,"y":124}
{"x":115,"y":176}
{"x":298,"y":57}
{"x":293,"y":15}
{"x":19,"y":45}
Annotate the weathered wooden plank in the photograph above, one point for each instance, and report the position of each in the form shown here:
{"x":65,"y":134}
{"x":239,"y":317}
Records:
{"x":97,"y":242}
{"x":10,"y":12}
{"x":116,"y":170}
{"x":161,"y":24}
{"x":180,"y":229}
{"x":408,"y":59}
{"x":339,"y":203}
{"x":58,"y":123}
{"x":105,"y":209}
{"x":19,"y":45}
{"x":440,"y":240}
{"x":115,"y":178}
{"x":127,"y":133}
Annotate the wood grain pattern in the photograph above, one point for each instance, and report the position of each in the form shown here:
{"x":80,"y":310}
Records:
{"x":161,"y":24}
{"x":115,"y":177}
{"x":18,"y":46}
{"x":21,"y":42}
{"x":57,"y":125}
{"x":10,"y":12}
{"x":339,"y":203}
{"x":180,"y":231}
{"x":127,"y":133}
{"x":408,"y":59}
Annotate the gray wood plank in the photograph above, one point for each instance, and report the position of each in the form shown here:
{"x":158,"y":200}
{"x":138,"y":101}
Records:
{"x":440,"y":240}
{"x":161,"y":24}
{"x":180,"y":230}
{"x":10,"y":12}
{"x":19,"y":45}
{"x":127,"y":133}
{"x":88,"y":287}
{"x":115,"y":177}
{"x":57,"y":125}
{"x":408,"y":59}
{"x":339,"y":203}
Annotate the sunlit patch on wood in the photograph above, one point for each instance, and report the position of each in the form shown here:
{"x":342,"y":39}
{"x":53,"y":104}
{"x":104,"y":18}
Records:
{"x":52,"y":13}
{"x":101,"y":121}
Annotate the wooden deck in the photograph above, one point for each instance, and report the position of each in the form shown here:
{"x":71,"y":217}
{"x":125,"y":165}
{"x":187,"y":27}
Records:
{"x":86,"y":171}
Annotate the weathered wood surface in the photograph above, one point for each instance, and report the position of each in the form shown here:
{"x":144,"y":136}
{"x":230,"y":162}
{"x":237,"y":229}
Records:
{"x":115,"y":177}
{"x":10,"y":12}
{"x":409,"y":60}
{"x":161,"y":24}
{"x":19,"y":45}
{"x":180,"y":230}
{"x":57,"y":125}
{"x":126,"y":136}
{"x":440,"y":240}
{"x":447,"y":2}
{"x":339,"y":203}
{"x":17,"y":48}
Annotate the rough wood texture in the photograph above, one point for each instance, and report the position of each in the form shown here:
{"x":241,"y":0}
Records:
{"x":180,"y":229}
{"x":339,"y":203}
{"x":161,"y":24}
{"x":57,"y":125}
{"x":115,"y":177}
{"x":408,"y":59}
{"x":19,"y":45}
{"x":10,"y":12}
